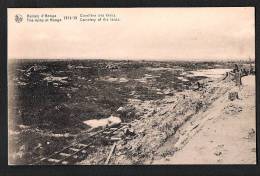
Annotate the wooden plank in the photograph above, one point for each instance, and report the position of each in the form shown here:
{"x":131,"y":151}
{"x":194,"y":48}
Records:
{"x":53,"y":160}
{"x":81,"y":145}
{"x":64,"y":154}
{"x":74,"y":144}
{"x":74,"y":154}
{"x":65,"y":162}
{"x":74,"y":149}
{"x":106,"y":132}
{"x":115,"y":138}
{"x":110,"y":153}
{"x":113,"y":128}
{"x":84,"y":151}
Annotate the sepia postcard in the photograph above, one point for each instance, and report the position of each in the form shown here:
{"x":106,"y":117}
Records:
{"x":131,"y":86}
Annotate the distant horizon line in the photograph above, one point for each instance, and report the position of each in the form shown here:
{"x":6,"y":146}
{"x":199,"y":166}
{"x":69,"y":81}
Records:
{"x":141,"y":59}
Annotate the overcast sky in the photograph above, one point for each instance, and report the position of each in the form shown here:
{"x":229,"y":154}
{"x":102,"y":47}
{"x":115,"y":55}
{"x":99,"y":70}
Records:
{"x":141,"y":33}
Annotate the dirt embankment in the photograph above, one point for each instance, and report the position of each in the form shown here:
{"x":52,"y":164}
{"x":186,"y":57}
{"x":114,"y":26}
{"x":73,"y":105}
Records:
{"x":167,"y":125}
{"x":224,"y":134}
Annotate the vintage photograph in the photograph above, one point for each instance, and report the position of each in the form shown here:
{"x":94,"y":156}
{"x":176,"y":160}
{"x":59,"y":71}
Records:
{"x":131,"y":86}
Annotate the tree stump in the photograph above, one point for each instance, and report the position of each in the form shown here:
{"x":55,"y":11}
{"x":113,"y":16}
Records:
{"x":232,"y":96}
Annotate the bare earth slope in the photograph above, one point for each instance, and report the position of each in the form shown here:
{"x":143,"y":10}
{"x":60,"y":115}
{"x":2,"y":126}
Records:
{"x":224,"y":134}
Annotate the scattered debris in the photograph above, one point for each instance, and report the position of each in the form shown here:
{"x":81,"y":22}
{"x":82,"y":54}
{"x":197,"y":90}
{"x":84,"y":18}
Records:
{"x":161,"y":117}
{"x":232,"y":109}
{"x":126,"y":112}
{"x":129,"y":131}
{"x":21,"y":83}
{"x":251,"y":134}
{"x":218,"y":153}
{"x":23,"y":126}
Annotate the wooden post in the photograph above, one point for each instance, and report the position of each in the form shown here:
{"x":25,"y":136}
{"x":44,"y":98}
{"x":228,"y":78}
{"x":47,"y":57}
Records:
{"x":110,"y":153}
{"x":238,"y":78}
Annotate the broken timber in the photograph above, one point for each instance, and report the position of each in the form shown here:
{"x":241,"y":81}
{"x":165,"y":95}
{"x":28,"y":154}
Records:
{"x":110,"y":153}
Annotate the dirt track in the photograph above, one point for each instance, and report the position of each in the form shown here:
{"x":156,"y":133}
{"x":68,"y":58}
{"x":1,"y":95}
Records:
{"x":225,"y":133}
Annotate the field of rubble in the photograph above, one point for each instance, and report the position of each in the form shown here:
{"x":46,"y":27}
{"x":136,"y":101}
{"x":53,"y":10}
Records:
{"x":50,"y":102}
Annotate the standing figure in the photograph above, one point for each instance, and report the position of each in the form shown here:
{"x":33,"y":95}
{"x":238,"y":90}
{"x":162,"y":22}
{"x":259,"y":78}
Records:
{"x":238,"y":75}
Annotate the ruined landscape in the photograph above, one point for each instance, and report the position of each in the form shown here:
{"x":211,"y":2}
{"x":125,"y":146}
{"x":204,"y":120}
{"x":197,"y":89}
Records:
{"x":171,"y":112}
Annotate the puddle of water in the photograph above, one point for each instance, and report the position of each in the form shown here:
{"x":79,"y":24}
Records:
{"x":110,"y":79}
{"x":55,"y":78}
{"x":95,"y":123}
{"x":210,"y":73}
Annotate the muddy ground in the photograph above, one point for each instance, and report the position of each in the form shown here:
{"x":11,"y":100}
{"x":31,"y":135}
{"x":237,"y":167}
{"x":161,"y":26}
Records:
{"x":50,"y":100}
